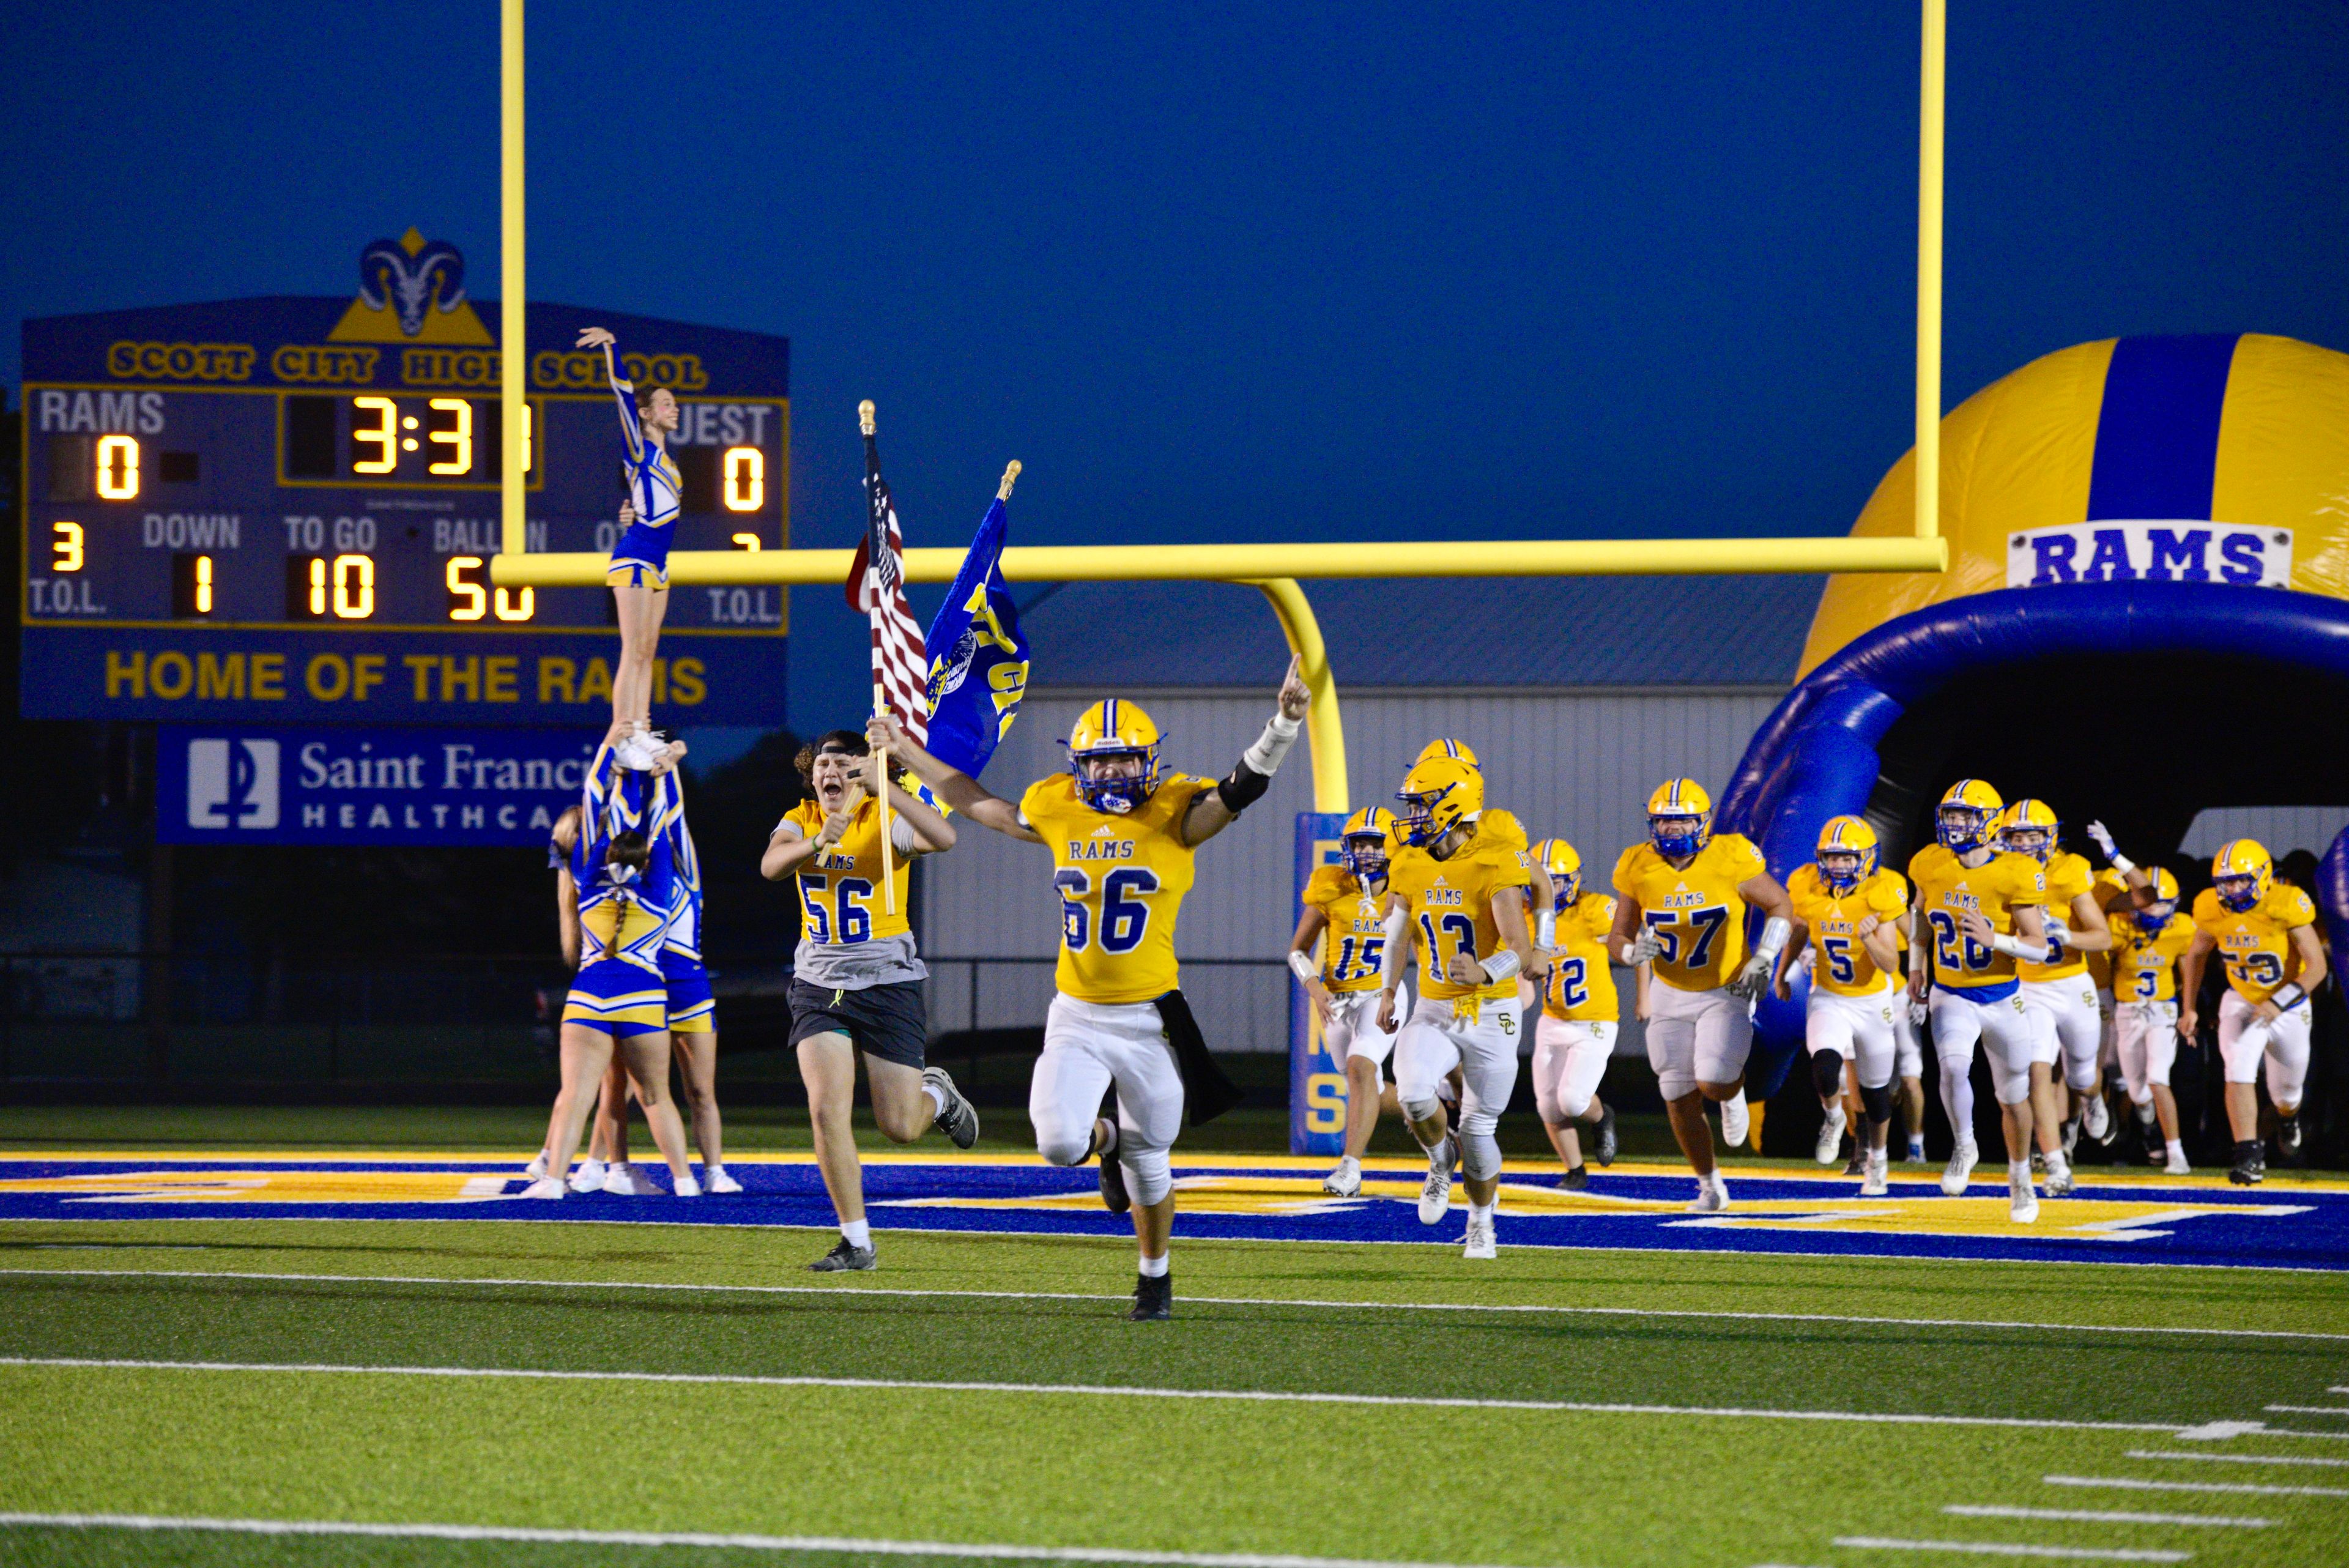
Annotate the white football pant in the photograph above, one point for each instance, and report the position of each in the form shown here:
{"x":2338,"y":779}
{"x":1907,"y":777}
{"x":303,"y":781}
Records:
{"x":1908,"y":1050}
{"x":1089,"y":1046}
{"x":1569,"y":1059}
{"x":1482,"y":1044}
{"x":2007,"y":1035}
{"x":1353,"y":1028}
{"x":2243,"y":1040}
{"x":2070,"y":1028}
{"x":1696,"y":1036}
{"x":1857,"y":1029}
{"x":2145,"y":1038}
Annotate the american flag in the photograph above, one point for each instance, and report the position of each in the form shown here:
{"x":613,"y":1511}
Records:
{"x":901,"y":667}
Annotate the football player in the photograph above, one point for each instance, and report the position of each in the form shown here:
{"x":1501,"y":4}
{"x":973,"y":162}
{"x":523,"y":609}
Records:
{"x":1850,"y":907}
{"x":1459,"y":902}
{"x":1345,"y":917}
{"x":1684,"y":896}
{"x":1121,"y":835}
{"x":1908,"y":1059}
{"x":856,"y":978}
{"x":1496,"y":825}
{"x":2265,"y":933}
{"x":2060,"y":996}
{"x":1976,"y":911}
{"x":1575,"y":1034}
{"x":2146,"y":945}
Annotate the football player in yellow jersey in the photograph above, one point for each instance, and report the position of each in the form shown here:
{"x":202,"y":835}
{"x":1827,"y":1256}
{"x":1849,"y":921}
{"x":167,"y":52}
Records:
{"x":1497,"y":826}
{"x":1908,"y":1058}
{"x":1976,"y":910}
{"x":857,"y":980}
{"x":1121,"y":835}
{"x":2146,"y":945}
{"x":1345,"y":918}
{"x":2059,"y":995}
{"x":1684,"y":894}
{"x":1848,"y":908}
{"x":1574,"y":1036}
{"x":2265,"y":932}
{"x":1459,"y":902}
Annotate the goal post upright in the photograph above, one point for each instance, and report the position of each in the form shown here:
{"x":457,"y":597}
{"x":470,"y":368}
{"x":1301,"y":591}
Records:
{"x":513,"y":345}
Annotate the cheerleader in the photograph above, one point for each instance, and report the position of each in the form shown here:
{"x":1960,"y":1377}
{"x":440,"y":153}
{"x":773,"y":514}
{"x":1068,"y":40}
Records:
{"x":624,"y":882}
{"x":638,"y":571}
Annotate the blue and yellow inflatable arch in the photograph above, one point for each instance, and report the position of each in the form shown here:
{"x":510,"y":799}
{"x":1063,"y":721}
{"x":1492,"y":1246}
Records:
{"x":2147,"y":614}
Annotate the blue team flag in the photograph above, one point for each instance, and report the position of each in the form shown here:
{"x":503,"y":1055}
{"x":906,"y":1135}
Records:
{"x":979,"y":661}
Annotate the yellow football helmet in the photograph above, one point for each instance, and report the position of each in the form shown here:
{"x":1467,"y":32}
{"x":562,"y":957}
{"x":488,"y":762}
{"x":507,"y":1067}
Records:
{"x":2156,"y":915}
{"x":2029,"y":827}
{"x":1963,"y":821}
{"x":1437,"y":796}
{"x":1564,"y":864}
{"x":1363,"y":844}
{"x":1679,"y":818}
{"x":1846,"y":853}
{"x":1458,"y":751}
{"x":2242,"y":872}
{"x":1110,"y":730}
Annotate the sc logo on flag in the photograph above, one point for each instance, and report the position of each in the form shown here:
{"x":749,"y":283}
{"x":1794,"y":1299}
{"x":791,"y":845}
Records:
{"x":232,"y":784}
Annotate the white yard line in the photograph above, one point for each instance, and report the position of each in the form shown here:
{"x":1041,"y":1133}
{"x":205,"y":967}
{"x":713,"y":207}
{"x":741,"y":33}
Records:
{"x":283,"y":1527}
{"x":503,"y":1282}
{"x":2248,"y":1488}
{"x":2238,"y":1458}
{"x":2105,"y":1516}
{"x":1082,"y":1390}
{"x":2015,"y":1549}
{"x":2310,"y":1409}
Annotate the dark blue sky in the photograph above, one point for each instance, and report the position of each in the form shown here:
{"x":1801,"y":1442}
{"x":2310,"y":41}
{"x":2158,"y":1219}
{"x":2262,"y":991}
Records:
{"x":1241,"y":271}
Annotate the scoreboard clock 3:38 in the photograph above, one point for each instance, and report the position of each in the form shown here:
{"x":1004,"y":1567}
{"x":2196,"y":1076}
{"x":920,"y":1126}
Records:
{"x":283,"y":508}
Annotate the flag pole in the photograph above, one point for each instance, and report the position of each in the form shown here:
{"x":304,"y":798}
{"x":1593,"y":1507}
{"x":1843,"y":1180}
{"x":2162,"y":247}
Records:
{"x":1003,"y":491}
{"x":876,"y":543}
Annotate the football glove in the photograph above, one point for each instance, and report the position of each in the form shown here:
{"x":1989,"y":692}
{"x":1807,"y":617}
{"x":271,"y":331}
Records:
{"x":1747,"y":986}
{"x":1640,"y":949}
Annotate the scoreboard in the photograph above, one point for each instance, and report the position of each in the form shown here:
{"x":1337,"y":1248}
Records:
{"x":283,"y":508}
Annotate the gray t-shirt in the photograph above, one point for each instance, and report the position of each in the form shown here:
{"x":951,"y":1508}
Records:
{"x":858,"y":966}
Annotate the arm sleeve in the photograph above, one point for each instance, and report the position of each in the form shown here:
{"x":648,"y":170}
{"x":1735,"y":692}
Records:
{"x":901,"y":834}
{"x":632,"y":428}
{"x":1394,"y":959}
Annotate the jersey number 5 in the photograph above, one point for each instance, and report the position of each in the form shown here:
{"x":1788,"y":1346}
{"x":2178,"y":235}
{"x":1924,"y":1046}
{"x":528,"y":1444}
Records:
{"x":1124,"y":919}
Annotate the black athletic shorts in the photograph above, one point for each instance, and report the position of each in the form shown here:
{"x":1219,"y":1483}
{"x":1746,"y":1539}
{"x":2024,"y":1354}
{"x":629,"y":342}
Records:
{"x":884,"y":1021}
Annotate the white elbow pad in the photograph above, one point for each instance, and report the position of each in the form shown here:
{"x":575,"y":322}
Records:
{"x":1302,"y":968}
{"x":1546,"y":930}
{"x":1774,"y":933}
{"x":1500,"y":966}
{"x":2015,"y":947}
{"x":1280,"y":734}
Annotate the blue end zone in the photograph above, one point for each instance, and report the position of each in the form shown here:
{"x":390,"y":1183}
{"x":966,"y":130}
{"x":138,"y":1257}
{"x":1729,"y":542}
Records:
{"x":2139,"y":1220}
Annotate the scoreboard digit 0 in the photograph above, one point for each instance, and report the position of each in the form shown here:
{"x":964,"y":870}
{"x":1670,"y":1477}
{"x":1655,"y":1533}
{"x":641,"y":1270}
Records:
{"x":257,"y":482}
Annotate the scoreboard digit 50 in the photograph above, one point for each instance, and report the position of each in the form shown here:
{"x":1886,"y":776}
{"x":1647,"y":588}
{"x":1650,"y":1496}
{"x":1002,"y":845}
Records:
{"x":284,"y":507}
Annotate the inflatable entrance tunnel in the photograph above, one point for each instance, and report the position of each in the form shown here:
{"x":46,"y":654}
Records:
{"x":2146,"y":615}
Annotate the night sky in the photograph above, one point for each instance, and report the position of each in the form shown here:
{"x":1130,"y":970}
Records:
{"x":1239,"y":271}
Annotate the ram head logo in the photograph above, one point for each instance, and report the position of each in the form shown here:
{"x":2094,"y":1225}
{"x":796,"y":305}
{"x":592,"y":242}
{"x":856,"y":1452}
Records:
{"x":411,"y":275}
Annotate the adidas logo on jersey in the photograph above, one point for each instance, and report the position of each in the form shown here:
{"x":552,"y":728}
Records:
{"x":1104,"y":831}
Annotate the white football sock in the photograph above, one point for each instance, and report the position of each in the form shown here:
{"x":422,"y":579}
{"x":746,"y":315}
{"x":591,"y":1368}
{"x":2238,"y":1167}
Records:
{"x":1154,"y":1268}
{"x":1482,"y":1212}
{"x":2174,"y":1148}
{"x":938,"y":1099}
{"x":856,"y":1232}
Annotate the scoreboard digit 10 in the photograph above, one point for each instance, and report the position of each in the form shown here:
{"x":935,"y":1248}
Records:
{"x":285,"y":508}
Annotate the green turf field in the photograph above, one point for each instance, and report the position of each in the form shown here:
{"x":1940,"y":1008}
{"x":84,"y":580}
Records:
{"x":1439,"y":1438}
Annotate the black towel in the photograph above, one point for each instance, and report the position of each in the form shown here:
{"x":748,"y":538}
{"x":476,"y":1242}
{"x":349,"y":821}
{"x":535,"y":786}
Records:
{"x":1207,"y":1093}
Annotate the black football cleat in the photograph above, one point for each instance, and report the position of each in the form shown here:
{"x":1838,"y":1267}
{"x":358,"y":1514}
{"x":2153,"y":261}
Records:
{"x":2251,"y":1165}
{"x":1114,"y":1197}
{"x":1153,"y":1299}
{"x":2288,"y":1139}
{"x":1578,"y":1178}
{"x":1606,"y":1150}
{"x":845,"y":1256}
